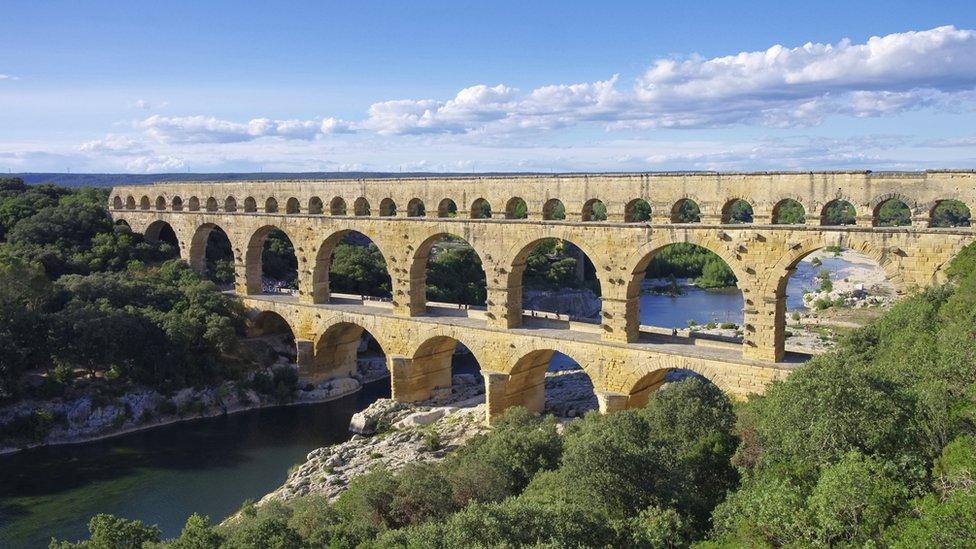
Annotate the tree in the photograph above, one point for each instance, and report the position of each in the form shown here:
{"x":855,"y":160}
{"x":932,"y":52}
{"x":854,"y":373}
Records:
{"x":109,"y":532}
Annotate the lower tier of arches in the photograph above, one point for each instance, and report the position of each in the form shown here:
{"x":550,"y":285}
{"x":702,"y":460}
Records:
{"x":513,"y":362}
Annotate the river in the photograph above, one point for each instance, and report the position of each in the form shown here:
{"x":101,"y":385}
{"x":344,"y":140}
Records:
{"x":212,"y":465}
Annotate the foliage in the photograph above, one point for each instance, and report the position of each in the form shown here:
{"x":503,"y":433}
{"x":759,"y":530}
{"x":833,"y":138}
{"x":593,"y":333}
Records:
{"x":894,"y":213}
{"x":455,"y":275}
{"x":950,"y":213}
{"x":838,"y":212}
{"x":359,"y":270}
{"x":789,"y":212}
{"x":685,"y":260}
{"x":109,"y":532}
{"x":686,"y":211}
{"x":738,"y":211}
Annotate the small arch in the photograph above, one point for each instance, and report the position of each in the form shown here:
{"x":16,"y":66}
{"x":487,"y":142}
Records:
{"x":271,"y":205}
{"x":416,"y":208}
{"x":789,"y":212}
{"x":388,"y":207}
{"x":685,"y":210}
{"x":838,"y":212}
{"x":212,"y":204}
{"x":480,"y":209}
{"x":177,"y":204}
{"x":337,"y":206}
{"x":250,"y":205}
{"x":949,"y":213}
{"x":892,"y":212}
{"x":361,"y":206}
{"x":315,"y":205}
{"x":447,"y":208}
{"x":737,"y":211}
{"x":230,"y":204}
{"x":144,"y":203}
{"x":117,"y":203}
{"x":194,"y":205}
{"x":554,"y":209}
{"x":535,"y":377}
{"x":161,"y":231}
{"x":292,"y":206}
{"x":130,"y":202}
{"x":637,"y":210}
{"x":594,"y":210}
{"x":160,"y":203}
{"x":516,"y":208}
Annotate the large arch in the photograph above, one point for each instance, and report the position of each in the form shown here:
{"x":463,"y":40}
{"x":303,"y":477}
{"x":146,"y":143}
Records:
{"x":161,"y":231}
{"x":339,"y":349}
{"x":277,"y":332}
{"x":455,"y":275}
{"x":324,"y":284}
{"x":638,"y":263}
{"x":525,"y":274}
{"x":431,"y":368}
{"x":528,"y":384}
{"x":260,"y":273}
{"x":200,"y":249}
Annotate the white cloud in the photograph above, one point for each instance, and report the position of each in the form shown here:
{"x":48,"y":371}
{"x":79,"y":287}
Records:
{"x":208,"y":129}
{"x":112,"y":144}
{"x":153,"y":164}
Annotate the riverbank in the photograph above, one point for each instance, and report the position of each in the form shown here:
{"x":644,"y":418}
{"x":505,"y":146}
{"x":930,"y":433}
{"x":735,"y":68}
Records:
{"x":90,"y":418}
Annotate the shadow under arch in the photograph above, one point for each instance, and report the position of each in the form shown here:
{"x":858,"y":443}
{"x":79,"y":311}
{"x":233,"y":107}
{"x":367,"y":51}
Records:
{"x":648,"y":384}
{"x":432,"y":367}
{"x":455,"y":282}
{"x":339,"y":349}
{"x":322,"y":279}
{"x":162,"y":231}
{"x":199,"y":245}
{"x":278,"y":331}
{"x":254,"y":261}
{"x":548,"y":380}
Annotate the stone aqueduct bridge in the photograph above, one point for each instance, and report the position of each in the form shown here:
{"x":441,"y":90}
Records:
{"x":405,"y":217}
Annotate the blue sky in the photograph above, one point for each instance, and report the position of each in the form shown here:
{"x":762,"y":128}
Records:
{"x":500,"y":86}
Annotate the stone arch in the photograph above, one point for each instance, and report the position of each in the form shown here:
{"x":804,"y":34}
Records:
{"x":212,"y":204}
{"x":639,"y":261}
{"x":419,"y":266}
{"x":337,"y":349}
{"x":637,"y":210}
{"x":144,"y":203}
{"x":949,"y":213}
{"x":388,"y":207}
{"x":315,"y":206}
{"x":554,"y":209}
{"x":271,"y":205}
{"x":162,"y":231}
{"x":177,"y":204}
{"x":119,"y":223}
{"x":416,"y":208}
{"x":361,"y":206}
{"x":685,"y":210}
{"x":839,"y":211}
{"x":428,"y":370}
{"x":594,"y":210}
{"x":337,"y":206}
{"x":737,"y":210}
{"x":160,"y":203}
{"x":650,"y":381}
{"x":230,"y":204}
{"x":517,"y":266}
{"x":250,"y":205}
{"x":321,"y":270}
{"x":130,"y":202}
{"x":480,"y":209}
{"x":516,"y":208}
{"x":269,"y":324}
{"x":293,"y":206}
{"x":891,"y":210}
{"x":198,"y":246}
{"x":254,"y":260}
{"x":447,"y":208}
{"x":117,"y":203}
{"x":194,"y":205}
{"x":526,"y":382}
{"x":789,"y":211}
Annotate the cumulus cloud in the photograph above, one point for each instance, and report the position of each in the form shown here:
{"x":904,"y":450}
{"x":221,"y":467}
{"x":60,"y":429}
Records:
{"x":112,"y":144}
{"x":154,"y":164}
{"x":777,"y":87}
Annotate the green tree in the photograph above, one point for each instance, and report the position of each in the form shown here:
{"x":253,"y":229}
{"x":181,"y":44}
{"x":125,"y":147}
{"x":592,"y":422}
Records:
{"x":109,"y":532}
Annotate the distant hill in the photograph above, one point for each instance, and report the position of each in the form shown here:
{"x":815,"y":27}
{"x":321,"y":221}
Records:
{"x":112,"y":179}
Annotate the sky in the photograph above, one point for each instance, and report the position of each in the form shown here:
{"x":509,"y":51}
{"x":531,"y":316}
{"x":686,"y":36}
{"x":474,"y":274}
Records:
{"x":139,"y":87}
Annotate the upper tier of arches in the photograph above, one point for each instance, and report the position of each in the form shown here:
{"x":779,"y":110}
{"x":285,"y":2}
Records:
{"x":883,"y":210}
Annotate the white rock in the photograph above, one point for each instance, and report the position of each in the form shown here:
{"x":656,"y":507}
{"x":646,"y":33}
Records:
{"x":417,"y":419}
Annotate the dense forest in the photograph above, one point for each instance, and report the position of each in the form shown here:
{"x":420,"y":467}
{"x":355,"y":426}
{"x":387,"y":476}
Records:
{"x":870,"y":445}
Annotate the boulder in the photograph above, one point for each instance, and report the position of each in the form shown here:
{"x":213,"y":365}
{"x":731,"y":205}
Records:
{"x":417,"y":419}
{"x":370,"y":419}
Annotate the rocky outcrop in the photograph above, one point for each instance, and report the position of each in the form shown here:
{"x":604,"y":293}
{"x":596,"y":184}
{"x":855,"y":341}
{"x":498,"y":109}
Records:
{"x":391,"y":434}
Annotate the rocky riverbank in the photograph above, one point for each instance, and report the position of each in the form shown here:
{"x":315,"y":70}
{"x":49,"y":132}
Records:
{"x":578,"y":303}
{"x":33,"y":423}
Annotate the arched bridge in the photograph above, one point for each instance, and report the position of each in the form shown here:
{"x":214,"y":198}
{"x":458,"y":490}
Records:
{"x":504,"y":218}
